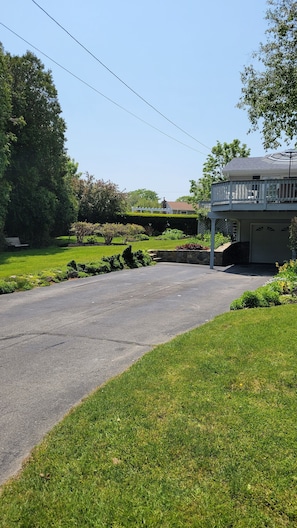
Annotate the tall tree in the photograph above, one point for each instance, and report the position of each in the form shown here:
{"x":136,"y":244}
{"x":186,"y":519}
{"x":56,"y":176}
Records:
{"x":142,"y":198}
{"x":37,"y":167}
{"x":99,"y":201}
{"x":5,"y":136}
{"x":67,"y":207}
{"x":220,"y":155}
{"x":270,"y":93}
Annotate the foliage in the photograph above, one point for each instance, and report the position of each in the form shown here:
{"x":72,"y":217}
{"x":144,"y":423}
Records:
{"x":204,"y":436}
{"x":220,"y":155}
{"x":190,"y":247}
{"x":202,"y":214}
{"x":171,"y":234}
{"x":109,"y":231}
{"x":131,"y":232}
{"x":142,"y":198}
{"x":74,"y":269}
{"x":7,"y":286}
{"x":131,"y":259}
{"x":269,"y":93}
{"x":186,"y":199}
{"x":99,"y":201}
{"x":263,"y":297}
{"x":67,"y":208}
{"x":33,"y":261}
{"x":293,"y":235}
{"x":157,"y":223}
{"x":5,"y":137}
{"x":37,"y":163}
{"x":279,"y":290}
{"x":83,"y":229}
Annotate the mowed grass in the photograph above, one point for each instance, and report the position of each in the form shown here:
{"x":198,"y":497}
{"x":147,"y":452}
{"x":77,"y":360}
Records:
{"x":38,"y":260}
{"x":201,"y":432}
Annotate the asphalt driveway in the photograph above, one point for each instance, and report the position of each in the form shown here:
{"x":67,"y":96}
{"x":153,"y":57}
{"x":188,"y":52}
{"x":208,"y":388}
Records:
{"x":59,"y":343}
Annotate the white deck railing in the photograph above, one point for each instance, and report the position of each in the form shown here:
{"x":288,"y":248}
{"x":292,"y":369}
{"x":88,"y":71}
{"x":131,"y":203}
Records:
{"x":236,"y":194}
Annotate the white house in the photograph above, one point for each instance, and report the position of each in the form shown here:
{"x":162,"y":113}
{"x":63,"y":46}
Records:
{"x":260,"y":198}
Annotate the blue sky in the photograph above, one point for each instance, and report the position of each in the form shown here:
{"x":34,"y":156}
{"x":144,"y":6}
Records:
{"x":183,"y":57}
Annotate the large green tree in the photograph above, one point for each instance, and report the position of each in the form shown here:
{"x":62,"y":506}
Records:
{"x":142,"y":198}
{"x":99,"y":201}
{"x":269,"y":92}
{"x":5,"y":136}
{"x":37,"y":173}
{"x":220,"y":155}
{"x":67,"y":206}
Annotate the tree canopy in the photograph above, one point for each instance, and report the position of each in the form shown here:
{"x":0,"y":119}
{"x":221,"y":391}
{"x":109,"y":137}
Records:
{"x":40,"y":199}
{"x":99,"y":201}
{"x":270,"y":93}
{"x":220,"y":155}
{"x":142,"y":198}
{"x":5,"y":136}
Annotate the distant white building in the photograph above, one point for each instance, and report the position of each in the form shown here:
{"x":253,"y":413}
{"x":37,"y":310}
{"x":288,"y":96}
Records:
{"x":169,"y":208}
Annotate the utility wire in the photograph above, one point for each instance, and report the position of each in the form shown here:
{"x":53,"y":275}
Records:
{"x":118,"y":78}
{"x":100,"y":93}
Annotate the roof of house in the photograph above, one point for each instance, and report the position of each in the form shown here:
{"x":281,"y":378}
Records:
{"x":277,"y":161}
{"x":180,"y":206}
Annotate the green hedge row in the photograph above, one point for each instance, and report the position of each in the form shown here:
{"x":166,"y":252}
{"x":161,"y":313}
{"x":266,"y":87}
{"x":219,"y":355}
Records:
{"x":159,"y":222}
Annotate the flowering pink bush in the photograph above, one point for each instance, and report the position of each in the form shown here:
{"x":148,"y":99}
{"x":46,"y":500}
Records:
{"x":190,"y":247}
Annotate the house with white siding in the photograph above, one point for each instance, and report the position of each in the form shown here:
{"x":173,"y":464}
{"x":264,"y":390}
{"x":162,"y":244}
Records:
{"x":259,"y":197}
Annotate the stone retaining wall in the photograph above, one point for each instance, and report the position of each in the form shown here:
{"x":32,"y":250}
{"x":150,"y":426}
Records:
{"x":200,"y":256}
{"x":230,"y":253}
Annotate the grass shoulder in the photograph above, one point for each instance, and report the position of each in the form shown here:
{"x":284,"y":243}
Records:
{"x":205,"y":436}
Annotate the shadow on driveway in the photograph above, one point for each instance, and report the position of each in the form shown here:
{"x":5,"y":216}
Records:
{"x":254,"y":270}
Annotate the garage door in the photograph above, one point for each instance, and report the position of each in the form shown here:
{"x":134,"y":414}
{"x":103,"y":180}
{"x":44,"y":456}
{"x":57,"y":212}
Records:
{"x":269,"y":243}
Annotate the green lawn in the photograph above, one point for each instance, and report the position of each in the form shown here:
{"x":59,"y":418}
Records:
{"x":201,"y":432}
{"x":37,"y":260}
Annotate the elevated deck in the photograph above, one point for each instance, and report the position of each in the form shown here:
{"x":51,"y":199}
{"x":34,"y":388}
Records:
{"x":255,"y":195}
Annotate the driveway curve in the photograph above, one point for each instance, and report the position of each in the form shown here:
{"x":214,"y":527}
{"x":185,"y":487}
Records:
{"x":57,"y":344}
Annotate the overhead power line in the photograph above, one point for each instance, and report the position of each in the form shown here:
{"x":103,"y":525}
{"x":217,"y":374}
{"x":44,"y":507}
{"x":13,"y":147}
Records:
{"x":118,"y":78}
{"x":100,"y":93}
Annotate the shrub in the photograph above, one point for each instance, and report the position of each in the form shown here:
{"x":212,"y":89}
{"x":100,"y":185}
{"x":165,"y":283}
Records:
{"x":250,"y":299}
{"x":75,"y":270}
{"x":263,"y":297}
{"x":129,"y":258}
{"x":236,"y":304}
{"x":144,"y":258}
{"x":156,"y":223}
{"x":72,"y":264}
{"x":104,"y":267}
{"x":83,"y":229}
{"x":190,"y":247}
{"x":132,"y":232}
{"x":269,"y":294}
{"x":23,"y":283}
{"x":7,"y":286}
{"x":72,"y":274}
{"x":172,"y":234}
{"x":288,"y":270}
{"x":116,"y":262}
{"x":58,"y":275}
{"x":90,"y":269}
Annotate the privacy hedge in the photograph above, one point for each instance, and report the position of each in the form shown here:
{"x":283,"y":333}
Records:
{"x":159,"y":222}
